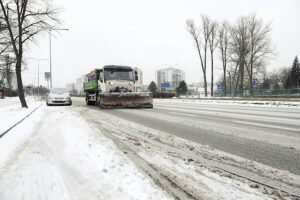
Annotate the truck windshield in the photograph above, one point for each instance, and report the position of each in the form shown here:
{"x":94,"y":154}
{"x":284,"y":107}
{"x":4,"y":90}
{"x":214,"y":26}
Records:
{"x":118,"y":74}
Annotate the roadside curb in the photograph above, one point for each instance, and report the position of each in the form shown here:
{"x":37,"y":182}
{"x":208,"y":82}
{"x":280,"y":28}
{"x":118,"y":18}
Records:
{"x":233,"y":102}
{"x":6,"y":131}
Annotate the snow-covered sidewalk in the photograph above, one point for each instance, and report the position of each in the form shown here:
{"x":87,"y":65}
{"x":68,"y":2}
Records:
{"x":55,"y":154}
{"x":11,"y":111}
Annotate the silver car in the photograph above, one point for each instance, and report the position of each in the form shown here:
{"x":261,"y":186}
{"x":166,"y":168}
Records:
{"x":59,"y":96}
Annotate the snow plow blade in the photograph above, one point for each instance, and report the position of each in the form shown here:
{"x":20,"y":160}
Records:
{"x":126,"y":100}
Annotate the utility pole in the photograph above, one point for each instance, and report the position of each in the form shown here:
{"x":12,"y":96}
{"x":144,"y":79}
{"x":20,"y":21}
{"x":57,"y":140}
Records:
{"x":38,"y":78}
{"x":50,"y":49}
{"x":50,"y":57}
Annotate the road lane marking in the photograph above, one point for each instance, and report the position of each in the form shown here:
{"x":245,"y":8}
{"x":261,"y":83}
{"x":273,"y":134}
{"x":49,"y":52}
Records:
{"x":266,"y":125}
{"x":176,"y":113}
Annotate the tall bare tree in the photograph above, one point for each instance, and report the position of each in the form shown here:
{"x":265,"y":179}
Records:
{"x":250,"y":46}
{"x":201,"y":38}
{"x":259,"y":45}
{"x":192,"y":29}
{"x":4,"y":40}
{"x":213,"y":43}
{"x":24,"y":20}
{"x":239,"y":46}
{"x":223,"y":40}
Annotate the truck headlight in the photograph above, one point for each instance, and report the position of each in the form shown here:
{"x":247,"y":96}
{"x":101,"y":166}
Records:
{"x":110,"y":83}
{"x":130,"y":83}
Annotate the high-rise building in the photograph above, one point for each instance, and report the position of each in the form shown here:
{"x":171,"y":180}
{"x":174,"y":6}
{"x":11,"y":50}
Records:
{"x":79,"y":85}
{"x":169,"y":75}
{"x":140,"y":76}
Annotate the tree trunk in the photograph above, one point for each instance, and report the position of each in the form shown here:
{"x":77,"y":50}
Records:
{"x":205,"y":84}
{"x":242,"y":68}
{"x":225,"y":67}
{"x":212,"y":75}
{"x":8,"y":78}
{"x":205,"y":81}
{"x":20,"y":84}
{"x":224,"y":80}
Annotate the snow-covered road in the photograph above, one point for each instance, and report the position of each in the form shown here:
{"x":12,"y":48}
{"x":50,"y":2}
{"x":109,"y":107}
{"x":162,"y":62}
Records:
{"x":55,"y":154}
{"x":266,"y":134}
{"x":82,"y":152}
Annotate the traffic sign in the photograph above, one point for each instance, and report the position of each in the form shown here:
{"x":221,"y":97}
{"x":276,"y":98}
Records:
{"x":220,"y":87}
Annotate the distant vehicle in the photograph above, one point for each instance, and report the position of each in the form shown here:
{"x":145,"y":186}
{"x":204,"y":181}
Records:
{"x":113,"y":86}
{"x":59,"y":96}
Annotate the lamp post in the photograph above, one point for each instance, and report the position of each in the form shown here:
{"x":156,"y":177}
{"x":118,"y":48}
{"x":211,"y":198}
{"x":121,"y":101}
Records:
{"x":50,"y":50}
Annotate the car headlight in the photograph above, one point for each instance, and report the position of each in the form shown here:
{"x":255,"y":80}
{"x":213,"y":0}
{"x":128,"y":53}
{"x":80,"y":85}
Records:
{"x":110,"y":83}
{"x":130,"y":83}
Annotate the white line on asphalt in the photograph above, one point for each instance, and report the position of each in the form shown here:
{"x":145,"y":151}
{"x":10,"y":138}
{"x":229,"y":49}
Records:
{"x":268,"y":126}
{"x":176,"y":113}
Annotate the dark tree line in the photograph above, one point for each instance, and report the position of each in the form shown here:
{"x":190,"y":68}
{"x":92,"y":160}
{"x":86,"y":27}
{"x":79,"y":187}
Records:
{"x":182,"y":88}
{"x":285,"y":77}
{"x":294,"y":75}
{"x":243,"y":47}
{"x":20,"y":22}
{"x":152,"y":87}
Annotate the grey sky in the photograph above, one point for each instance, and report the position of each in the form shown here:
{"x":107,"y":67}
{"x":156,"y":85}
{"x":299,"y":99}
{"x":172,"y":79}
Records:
{"x":151,"y":35}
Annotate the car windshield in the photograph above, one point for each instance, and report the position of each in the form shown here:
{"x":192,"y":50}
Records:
{"x":59,"y":91}
{"x":118,"y":74}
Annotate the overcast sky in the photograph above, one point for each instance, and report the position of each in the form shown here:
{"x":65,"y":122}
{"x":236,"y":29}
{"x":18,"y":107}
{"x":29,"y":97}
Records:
{"x":151,"y":35}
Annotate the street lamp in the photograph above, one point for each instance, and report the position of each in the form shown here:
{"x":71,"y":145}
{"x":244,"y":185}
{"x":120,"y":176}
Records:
{"x":56,"y":29}
{"x":38,"y":61}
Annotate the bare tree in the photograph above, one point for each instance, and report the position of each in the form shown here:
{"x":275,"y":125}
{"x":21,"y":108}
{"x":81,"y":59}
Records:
{"x":4,"y":40}
{"x":24,"y":19}
{"x":259,"y":45}
{"x":239,"y":47}
{"x":283,"y":74}
{"x":213,"y":43}
{"x":250,"y":46}
{"x":201,"y":39}
{"x":223,"y":40}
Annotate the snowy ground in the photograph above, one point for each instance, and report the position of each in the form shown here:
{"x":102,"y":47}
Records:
{"x":178,"y":160}
{"x":276,"y":103}
{"x":12,"y":112}
{"x":54,"y":154}
{"x":70,"y":153}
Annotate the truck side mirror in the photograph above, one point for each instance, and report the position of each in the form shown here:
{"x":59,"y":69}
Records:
{"x":136,"y":76}
{"x":101,"y":77}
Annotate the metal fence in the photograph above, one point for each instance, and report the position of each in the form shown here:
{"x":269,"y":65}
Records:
{"x":279,"y":92}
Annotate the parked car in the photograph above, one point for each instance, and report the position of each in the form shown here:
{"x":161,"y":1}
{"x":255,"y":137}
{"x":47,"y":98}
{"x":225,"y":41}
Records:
{"x":59,"y":96}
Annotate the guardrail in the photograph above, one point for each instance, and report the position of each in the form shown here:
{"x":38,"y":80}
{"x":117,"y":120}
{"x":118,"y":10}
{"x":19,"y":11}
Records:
{"x":278,"y":92}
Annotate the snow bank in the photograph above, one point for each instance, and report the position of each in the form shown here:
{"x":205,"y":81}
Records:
{"x":176,"y":158}
{"x":11,"y":111}
{"x":276,"y":103}
{"x":59,"y":156}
